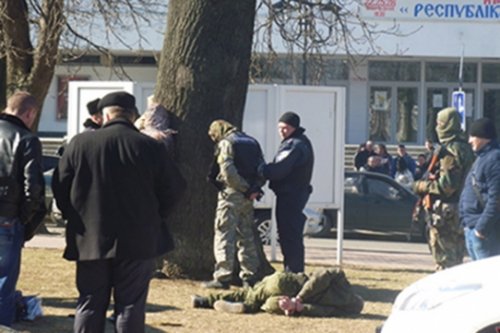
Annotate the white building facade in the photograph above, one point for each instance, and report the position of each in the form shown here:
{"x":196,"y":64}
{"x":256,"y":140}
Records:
{"x":392,"y":97}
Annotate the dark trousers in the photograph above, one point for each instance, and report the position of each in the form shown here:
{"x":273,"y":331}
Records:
{"x":129,"y":282}
{"x":291,"y":220}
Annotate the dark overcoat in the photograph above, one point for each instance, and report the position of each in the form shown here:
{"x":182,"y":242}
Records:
{"x":116,"y":187}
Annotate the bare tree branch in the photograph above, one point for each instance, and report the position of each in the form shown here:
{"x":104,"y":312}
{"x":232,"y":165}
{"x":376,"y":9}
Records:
{"x":315,"y":28}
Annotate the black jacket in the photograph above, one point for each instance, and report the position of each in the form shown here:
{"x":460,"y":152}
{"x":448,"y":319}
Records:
{"x":22,"y":186}
{"x":116,"y":187}
{"x":90,"y":125}
{"x":291,"y":170}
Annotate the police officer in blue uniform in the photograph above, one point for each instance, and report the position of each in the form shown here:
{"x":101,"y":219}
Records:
{"x":290,"y":177}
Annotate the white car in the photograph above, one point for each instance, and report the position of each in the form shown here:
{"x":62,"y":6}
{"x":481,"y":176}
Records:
{"x":317,"y":224}
{"x":462,"y":299}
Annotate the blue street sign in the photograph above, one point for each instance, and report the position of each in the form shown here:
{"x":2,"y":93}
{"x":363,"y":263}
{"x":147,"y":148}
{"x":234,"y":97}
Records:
{"x":458,"y":102}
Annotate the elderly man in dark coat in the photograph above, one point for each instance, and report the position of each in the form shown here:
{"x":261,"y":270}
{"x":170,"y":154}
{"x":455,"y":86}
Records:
{"x":116,"y":187}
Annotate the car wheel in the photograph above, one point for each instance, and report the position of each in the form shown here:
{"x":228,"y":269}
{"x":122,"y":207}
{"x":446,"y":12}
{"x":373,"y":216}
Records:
{"x":264,"y":231}
{"x":56,"y":215}
{"x":317,"y":223}
{"x":262,"y":220}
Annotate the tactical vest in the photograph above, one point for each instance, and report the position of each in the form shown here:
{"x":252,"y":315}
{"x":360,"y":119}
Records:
{"x":247,"y":155}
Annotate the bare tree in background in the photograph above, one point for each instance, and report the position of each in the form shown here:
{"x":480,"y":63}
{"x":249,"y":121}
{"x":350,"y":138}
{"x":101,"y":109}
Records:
{"x":310,"y":31}
{"x":33,"y":33}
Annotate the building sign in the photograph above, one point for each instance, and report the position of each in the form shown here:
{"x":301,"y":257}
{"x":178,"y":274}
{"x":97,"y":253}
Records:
{"x":458,"y":102}
{"x":469,"y":10}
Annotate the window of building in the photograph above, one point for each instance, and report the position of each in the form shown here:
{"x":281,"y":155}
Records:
{"x":491,"y":73}
{"x":394,"y":71}
{"x":135,"y":60}
{"x":448,"y":72}
{"x":83,"y":60}
{"x":291,"y":70}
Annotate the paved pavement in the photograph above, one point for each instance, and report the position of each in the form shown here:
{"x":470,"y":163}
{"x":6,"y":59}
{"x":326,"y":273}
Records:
{"x":371,"y":253}
{"x":396,"y":255}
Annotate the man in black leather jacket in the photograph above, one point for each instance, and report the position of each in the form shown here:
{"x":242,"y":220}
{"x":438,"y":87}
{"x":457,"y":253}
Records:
{"x":22,"y":196}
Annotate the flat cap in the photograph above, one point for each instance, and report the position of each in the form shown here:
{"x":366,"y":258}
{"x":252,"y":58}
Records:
{"x":118,"y":98}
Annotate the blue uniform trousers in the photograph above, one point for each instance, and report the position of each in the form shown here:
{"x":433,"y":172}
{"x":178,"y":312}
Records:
{"x":291,"y":220}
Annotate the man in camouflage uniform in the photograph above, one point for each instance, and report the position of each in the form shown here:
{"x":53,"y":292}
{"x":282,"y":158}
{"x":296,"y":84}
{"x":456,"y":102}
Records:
{"x":234,"y":173}
{"x":446,"y":237}
{"x":323,"y":293}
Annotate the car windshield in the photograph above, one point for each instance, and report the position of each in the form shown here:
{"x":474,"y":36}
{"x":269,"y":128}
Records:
{"x":351,"y":185}
{"x":383,"y":189}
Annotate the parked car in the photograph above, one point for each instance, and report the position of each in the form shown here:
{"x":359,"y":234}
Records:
{"x":460,"y":299}
{"x":373,"y":203}
{"x":376,"y":203}
{"x":49,"y":164}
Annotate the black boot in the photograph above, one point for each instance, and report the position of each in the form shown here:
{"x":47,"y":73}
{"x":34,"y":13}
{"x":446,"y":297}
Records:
{"x":215,"y":284}
{"x":199,"y":302}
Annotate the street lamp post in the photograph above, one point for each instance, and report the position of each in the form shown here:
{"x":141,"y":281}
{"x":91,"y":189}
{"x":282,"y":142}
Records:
{"x":305,"y":24}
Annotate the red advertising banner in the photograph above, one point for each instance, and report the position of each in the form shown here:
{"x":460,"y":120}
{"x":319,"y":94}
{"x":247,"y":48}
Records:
{"x":62,"y":93}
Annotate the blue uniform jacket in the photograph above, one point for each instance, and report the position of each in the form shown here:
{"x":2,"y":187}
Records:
{"x":486,"y":172}
{"x":292,"y":167}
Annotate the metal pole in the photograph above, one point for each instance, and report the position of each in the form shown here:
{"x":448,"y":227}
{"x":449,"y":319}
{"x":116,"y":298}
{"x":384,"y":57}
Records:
{"x":461,"y":70}
{"x":304,"y":67}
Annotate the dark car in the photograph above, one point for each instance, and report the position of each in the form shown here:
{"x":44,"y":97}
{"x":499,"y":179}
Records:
{"x":374,"y":205}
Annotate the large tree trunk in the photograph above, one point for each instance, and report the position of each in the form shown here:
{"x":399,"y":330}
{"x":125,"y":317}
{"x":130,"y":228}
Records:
{"x":203,"y":76}
{"x":29,"y":68}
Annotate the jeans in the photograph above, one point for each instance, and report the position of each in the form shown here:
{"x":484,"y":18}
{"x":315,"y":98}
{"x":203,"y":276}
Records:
{"x":480,"y":248}
{"x":11,"y":242}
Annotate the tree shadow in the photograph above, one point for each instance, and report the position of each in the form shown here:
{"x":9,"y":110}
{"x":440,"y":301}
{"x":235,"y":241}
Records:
{"x":70,"y":303}
{"x":376,"y":295}
{"x":52,"y":323}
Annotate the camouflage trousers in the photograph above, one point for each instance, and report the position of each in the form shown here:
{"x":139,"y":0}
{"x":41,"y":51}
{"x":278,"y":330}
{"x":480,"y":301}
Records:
{"x":234,"y":237}
{"x":446,"y":236}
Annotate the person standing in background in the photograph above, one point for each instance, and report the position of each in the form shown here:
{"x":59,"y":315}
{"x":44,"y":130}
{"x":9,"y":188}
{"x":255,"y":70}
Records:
{"x":155,"y":122}
{"x":290,"y":176}
{"x":410,"y":162}
{"x":479,"y":201}
{"x":446,"y":235}
{"x":115,"y":187}
{"x":94,"y":122}
{"x":385,"y":158}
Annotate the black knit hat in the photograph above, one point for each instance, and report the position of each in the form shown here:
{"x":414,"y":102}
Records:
{"x":290,"y":118}
{"x":92,"y":106}
{"x":483,"y":128}
{"x":118,"y":98}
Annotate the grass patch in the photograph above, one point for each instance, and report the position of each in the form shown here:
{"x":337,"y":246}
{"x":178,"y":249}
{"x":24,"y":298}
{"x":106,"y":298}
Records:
{"x":45,"y":273}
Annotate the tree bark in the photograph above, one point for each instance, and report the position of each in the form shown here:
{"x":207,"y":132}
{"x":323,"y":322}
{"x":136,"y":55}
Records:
{"x":203,"y":76}
{"x":29,"y":68}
